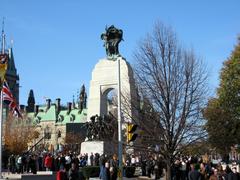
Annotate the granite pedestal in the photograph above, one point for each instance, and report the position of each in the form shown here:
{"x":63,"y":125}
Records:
{"x":101,"y":147}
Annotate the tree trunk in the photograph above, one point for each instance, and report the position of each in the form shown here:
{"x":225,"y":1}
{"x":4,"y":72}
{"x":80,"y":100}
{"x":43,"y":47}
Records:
{"x":168,"y":170}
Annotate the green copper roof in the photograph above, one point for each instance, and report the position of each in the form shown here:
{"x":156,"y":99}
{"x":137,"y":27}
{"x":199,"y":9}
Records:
{"x":50,"y":114}
{"x":63,"y":117}
{"x":73,"y":117}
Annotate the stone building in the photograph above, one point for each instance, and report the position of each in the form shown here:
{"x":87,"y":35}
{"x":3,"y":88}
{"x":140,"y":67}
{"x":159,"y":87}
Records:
{"x":53,"y":122}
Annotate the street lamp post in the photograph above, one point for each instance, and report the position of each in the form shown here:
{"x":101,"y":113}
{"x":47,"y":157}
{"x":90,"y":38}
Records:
{"x":119,"y":121}
{"x":47,"y":134}
{"x":58,"y":136}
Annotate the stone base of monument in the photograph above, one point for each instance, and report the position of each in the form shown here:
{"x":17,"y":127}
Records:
{"x":101,"y":147}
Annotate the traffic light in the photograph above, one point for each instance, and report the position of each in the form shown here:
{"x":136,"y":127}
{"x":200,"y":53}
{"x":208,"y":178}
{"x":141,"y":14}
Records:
{"x":131,"y":136}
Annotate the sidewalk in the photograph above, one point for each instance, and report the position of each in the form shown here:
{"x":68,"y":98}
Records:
{"x":7,"y":175}
{"x":135,"y":178}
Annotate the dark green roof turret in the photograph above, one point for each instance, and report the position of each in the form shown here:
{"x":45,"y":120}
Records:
{"x":31,"y":101}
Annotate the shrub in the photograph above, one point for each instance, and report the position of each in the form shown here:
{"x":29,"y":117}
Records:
{"x":90,"y":171}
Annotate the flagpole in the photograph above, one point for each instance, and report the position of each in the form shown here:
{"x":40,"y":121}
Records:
{"x":1,"y":115}
{"x":120,"y":149}
{"x":1,"y":99}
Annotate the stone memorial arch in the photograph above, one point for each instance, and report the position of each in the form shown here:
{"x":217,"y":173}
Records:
{"x":105,"y":79}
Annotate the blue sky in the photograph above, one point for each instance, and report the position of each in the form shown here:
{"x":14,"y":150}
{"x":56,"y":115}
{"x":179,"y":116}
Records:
{"x":57,"y":43}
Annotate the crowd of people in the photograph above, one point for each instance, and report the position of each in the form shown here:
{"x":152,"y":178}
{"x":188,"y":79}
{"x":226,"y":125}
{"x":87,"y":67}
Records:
{"x":44,"y":162}
{"x":194,"y":168}
{"x":68,"y":166}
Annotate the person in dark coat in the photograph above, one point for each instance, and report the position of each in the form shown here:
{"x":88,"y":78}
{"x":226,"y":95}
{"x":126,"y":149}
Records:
{"x":143,"y":167}
{"x":105,"y":172}
{"x":96,"y":159}
{"x":76,"y":161}
{"x":12,"y":163}
{"x":226,"y":172}
{"x":113,"y":168}
{"x":91,"y":159}
{"x":149,"y":166}
{"x":24,"y":163}
{"x":62,"y":162}
{"x":234,"y":175}
{"x":73,"y":172}
{"x":32,"y":164}
{"x":40,"y":163}
{"x":102,"y":161}
{"x":194,"y":174}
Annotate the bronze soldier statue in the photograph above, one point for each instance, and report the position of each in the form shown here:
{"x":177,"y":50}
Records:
{"x":112,"y":38}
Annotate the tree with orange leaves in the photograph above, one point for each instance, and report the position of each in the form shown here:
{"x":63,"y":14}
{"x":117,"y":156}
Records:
{"x":17,"y":134}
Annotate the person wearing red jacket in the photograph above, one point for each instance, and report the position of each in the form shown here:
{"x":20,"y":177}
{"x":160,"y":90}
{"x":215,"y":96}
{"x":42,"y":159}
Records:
{"x":48,"y":162}
{"x":62,"y":174}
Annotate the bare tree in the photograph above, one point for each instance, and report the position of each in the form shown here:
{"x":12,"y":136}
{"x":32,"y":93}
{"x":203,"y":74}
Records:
{"x":172,"y":81}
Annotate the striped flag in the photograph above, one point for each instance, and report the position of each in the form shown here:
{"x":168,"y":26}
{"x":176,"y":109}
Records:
{"x":9,"y":100}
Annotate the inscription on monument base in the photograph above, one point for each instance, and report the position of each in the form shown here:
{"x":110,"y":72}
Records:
{"x":101,"y":147}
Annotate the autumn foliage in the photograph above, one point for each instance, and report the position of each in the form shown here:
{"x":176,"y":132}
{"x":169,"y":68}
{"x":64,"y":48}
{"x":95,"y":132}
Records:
{"x":17,"y":134}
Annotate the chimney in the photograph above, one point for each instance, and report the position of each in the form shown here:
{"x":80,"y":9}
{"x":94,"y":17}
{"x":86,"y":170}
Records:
{"x":58,"y":105}
{"x":36,"y":109}
{"x":69,"y":107}
{"x":22,"y":107}
{"x":48,"y":103}
{"x":25,"y":109}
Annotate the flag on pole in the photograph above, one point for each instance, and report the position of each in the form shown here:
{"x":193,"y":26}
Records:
{"x":9,"y":100}
{"x":3,"y":65}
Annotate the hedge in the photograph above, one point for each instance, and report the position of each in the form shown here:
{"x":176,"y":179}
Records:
{"x":90,"y":171}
